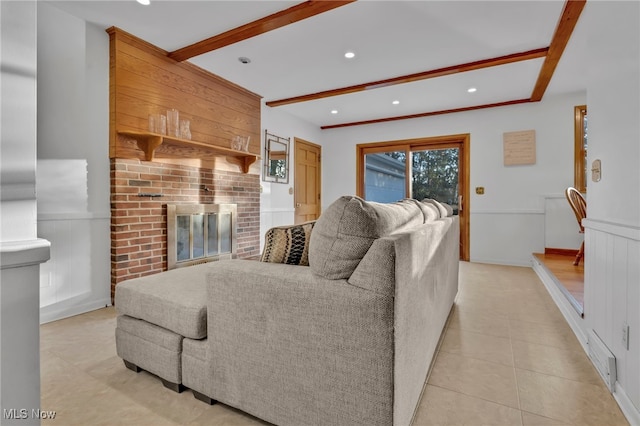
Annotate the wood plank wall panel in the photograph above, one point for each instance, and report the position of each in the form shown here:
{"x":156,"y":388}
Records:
{"x":145,"y":81}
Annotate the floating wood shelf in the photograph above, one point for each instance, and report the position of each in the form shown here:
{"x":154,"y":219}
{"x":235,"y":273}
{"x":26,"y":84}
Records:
{"x":148,"y":143}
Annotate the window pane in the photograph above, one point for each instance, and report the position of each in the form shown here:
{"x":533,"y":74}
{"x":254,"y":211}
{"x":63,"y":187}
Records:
{"x":198,"y":235}
{"x":225,"y":233}
{"x":385,"y":176}
{"x":212,"y":239}
{"x":183,"y":231}
{"x":435,"y":175}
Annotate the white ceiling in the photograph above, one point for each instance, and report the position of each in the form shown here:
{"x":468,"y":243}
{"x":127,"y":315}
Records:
{"x":390,"y":39}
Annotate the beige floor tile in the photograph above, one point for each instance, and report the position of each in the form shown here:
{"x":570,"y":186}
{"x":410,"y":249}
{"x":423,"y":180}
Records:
{"x":147,"y":390}
{"x":567,"y":400}
{"x":223,"y":415}
{"x":79,"y":399}
{"x":536,"y":312}
{"x":444,"y":407}
{"x":478,"y":321}
{"x":529,"y":419}
{"x":557,"y":334}
{"x":479,"y":346}
{"x":573,"y":365}
{"x":482,"y":379}
{"x":487,"y":303}
{"x":523,"y":297}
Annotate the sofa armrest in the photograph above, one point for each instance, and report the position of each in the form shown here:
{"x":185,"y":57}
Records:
{"x":293,"y":348}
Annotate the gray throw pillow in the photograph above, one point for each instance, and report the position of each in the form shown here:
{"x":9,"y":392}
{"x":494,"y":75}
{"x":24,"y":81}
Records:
{"x":347,"y":228}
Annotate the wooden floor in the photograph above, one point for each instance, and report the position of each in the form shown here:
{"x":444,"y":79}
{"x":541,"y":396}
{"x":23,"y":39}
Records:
{"x":569,"y":277}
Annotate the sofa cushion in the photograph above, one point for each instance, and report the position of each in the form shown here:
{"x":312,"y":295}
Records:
{"x":288,"y":244}
{"x":175,"y":300}
{"x":429,"y":211}
{"x":444,"y":209}
{"x":347,"y":228}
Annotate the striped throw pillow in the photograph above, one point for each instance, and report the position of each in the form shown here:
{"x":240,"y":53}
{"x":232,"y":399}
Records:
{"x":288,"y":244}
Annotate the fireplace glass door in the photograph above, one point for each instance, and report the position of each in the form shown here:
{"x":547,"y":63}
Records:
{"x":199,"y":233}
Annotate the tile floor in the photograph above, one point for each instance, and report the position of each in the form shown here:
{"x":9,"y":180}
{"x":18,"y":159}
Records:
{"x":507,"y":358}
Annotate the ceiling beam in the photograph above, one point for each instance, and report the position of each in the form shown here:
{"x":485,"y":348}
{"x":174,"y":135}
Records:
{"x":561,"y":36}
{"x":285,"y":17}
{"x":427,"y":114}
{"x":440,"y":72}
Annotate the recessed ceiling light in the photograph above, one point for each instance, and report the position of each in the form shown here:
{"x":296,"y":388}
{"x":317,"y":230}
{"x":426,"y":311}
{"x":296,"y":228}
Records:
{"x":349,"y":55}
{"x":471,"y":89}
{"x":395,"y":102}
{"x":334,"y":111}
{"x":144,"y":2}
{"x":244,"y":60}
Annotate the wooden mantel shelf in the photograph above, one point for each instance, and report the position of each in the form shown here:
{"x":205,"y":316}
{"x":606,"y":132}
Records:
{"x":148,"y":143}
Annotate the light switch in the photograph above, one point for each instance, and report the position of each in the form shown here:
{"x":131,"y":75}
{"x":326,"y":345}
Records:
{"x":596,"y":171}
{"x":479,"y":190}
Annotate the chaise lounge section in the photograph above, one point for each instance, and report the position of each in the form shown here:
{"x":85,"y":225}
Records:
{"x":346,"y":340}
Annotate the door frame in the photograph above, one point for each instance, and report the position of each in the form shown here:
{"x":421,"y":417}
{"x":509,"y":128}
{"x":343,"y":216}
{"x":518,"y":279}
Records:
{"x":461,"y":141}
{"x":296,"y":142}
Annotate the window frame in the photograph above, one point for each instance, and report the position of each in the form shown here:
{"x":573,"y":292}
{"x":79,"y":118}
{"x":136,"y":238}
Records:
{"x":580,"y":153}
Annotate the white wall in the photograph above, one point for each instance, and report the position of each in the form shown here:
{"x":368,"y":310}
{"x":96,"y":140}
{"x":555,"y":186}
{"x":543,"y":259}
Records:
{"x":612,"y":228}
{"x":507,"y":223}
{"x":21,"y":251}
{"x":73,"y":157}
{"x":276,"y":201}
{"x":561,"y":229}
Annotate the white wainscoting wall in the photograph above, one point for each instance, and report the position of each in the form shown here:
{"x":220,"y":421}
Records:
{"x":561,"y":229}
{"x":77,"y":277}
{"x":612,"y":297}
{"x":274,"y":217}
{"x":506,"y":237}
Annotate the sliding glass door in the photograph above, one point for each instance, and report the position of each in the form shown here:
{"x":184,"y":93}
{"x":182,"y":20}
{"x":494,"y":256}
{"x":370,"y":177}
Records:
{"x":434,"y":168}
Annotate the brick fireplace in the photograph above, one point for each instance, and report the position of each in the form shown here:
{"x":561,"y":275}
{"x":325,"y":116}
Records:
{"x":149,"y":170}
{"x":140,"y":191}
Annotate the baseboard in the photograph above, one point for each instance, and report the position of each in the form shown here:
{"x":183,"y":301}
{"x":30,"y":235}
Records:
{"x":53,"y":314}
{"x":560,"y":251}
{"x":504,"y":262}
{"x":629,"y":410}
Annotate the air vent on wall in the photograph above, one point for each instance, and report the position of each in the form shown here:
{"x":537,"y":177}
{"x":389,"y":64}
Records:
{"x":603,"y":359}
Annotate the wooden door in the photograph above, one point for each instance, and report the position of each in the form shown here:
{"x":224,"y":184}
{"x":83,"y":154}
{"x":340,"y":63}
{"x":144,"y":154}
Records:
{"x":307,"y":180}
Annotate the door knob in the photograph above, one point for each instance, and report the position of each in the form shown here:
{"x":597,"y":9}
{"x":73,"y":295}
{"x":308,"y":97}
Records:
{"x":298,"y":205}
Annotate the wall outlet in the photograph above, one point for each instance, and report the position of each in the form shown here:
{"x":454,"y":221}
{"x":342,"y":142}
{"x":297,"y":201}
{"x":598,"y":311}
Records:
{"x":625,"y":336}
{"x":479,"y":190}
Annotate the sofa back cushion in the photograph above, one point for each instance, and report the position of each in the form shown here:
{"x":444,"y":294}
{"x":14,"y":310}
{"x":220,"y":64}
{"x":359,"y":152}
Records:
{"x":288,"y":244}
{"x":444,"y":209}
{"x":347,"y":228}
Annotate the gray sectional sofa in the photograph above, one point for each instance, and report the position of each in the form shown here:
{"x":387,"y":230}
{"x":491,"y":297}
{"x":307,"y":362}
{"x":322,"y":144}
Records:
{"x":347,"y":340}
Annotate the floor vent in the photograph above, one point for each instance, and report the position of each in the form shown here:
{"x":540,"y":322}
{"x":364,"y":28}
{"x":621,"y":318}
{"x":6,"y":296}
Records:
{"x":603,"y":359}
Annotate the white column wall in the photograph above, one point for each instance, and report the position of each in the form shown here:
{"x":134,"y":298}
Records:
{"x":21,"y":252}
{"x":73,"y":156}
{"x":612,"y":228}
